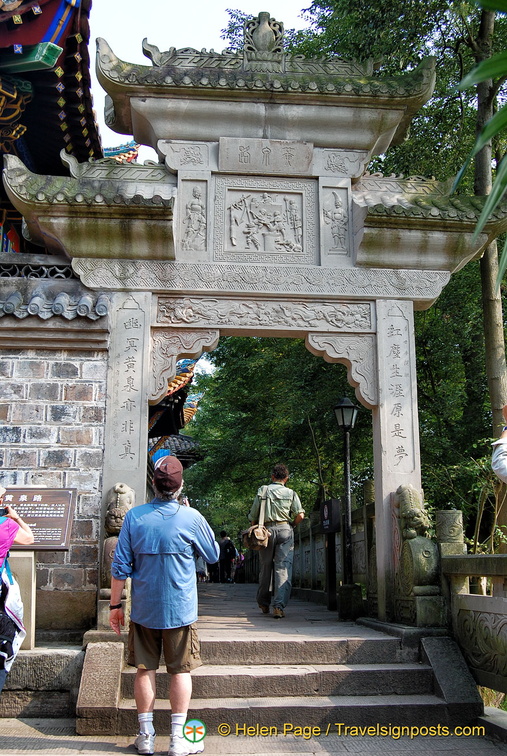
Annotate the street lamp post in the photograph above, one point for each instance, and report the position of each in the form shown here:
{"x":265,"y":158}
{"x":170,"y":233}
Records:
{"x":346,"y":414}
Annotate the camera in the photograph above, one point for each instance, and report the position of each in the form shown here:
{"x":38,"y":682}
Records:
{"x":3,"y":511}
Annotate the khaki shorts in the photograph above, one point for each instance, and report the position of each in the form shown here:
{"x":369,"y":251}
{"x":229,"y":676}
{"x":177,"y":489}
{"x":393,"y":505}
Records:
{"x":180,"y":645}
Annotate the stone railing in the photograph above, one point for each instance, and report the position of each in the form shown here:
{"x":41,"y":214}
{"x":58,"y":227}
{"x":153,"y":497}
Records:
{"x":309,"y":578}
{"x":479,"y":622}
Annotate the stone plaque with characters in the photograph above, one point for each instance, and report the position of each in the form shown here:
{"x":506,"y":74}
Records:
{"x":48,"y":511}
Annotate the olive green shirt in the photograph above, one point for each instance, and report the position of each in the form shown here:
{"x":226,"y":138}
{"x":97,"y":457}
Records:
{"x":282,"y":504}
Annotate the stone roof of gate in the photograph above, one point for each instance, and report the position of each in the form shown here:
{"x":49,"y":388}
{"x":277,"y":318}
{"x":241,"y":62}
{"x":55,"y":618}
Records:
{"x":189,"y":69}
{"x":107,"y":185}
{"x":104,"y":183}
{"x":417,"y":197}
{"x":51,"y":299}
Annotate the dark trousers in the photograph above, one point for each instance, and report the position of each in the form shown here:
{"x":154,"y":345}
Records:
{"x":225,"y":570}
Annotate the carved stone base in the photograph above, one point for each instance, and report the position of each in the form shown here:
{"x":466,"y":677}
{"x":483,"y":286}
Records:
{"x":350,"y":602}
{"x":421,"y":611}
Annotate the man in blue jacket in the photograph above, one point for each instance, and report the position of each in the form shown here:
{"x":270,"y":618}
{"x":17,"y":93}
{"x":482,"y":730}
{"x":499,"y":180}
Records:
{"x":156,"y":549}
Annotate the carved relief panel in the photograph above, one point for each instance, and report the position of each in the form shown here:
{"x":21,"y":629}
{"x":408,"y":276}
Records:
{"x":187,"y":156}
{"x":355,"y":351}
{"x":261,"y":220}
{"x":334,"y":223}
{"x":167,"y":348}
{"x":339,"y":162}
{"x":192,"y":241}
{"x":194,"y":222}
{"x":277,"y":315}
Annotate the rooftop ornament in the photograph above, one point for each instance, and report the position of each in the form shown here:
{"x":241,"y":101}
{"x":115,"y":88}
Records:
{"x":263,"y":44}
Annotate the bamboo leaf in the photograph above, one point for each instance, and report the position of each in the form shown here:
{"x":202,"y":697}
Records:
{"x":491,"y":129}
{"x":488,"y":69}
{"x":502,"y":265}
{"x":499,"y":187}
{"x":461,"y":172}
{"x":498,"y":5}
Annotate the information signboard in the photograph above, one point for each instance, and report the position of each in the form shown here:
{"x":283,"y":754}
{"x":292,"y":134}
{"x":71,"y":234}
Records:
{"x":48,"y":511}
{"x":330,"y":516}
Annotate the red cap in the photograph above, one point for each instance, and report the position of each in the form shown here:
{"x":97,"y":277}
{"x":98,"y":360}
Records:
{"x":168,"y":475}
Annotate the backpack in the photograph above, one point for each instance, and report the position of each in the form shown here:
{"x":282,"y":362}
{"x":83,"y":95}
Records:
{"x":229,"y":551}
{"x":8,"y":630}
{"x":8,"y":627}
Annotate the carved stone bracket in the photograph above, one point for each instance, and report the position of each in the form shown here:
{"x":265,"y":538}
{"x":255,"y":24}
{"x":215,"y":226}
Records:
{"x":357,"y":353}
{"x":167,"y":347}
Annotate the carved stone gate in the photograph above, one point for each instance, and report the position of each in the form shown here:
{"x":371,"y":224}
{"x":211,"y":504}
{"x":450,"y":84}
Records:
{"x":258,"y":220}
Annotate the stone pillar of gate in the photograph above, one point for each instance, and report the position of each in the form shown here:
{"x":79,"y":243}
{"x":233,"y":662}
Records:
{"x":126,"y":427}
{"x":395,"y":434}
{"x":381,"y":367}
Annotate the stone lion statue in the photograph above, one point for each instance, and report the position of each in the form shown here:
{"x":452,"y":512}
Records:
{"x":119,"y":500}
{"x":413,"y":516}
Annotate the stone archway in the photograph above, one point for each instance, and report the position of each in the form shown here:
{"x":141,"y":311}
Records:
{"x":259,"y":219}
{"x":373,"y":339}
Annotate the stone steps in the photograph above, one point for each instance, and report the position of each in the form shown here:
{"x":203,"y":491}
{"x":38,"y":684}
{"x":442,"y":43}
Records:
{"x":308,"y":670}
{"x":315,"y":711}
{"x":238,"y":681}
{"x":43,"y":682}
{"x":439,"y":690}
{"x":341,"y":650}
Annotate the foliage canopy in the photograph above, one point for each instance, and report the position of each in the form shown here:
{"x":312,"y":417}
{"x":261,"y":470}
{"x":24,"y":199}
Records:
{"x":270,"y":400}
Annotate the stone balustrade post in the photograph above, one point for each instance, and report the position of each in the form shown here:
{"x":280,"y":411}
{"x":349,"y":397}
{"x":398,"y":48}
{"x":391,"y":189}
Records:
{"x":451,"y":540}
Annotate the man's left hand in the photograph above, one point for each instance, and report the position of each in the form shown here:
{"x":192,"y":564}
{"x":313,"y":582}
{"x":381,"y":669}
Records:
{"x":116,"y":620}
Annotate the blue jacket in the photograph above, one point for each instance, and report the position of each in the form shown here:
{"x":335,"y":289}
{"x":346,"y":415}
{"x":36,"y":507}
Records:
{"x":156,"y":548}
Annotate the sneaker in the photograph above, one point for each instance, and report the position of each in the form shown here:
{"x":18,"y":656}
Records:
{"x":145,"y":743}
{"x":182,"y":747}
{"x":264,"y":609}
{"x":278,"y":613}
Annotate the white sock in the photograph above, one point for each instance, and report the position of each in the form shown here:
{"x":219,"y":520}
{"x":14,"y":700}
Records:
{"x":177,"y":722}
{"x":146,"y":723}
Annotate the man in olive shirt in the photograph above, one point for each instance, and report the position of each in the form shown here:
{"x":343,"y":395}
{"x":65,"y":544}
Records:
{"x":283,"y":512}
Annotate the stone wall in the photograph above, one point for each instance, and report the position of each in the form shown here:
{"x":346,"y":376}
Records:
{"x":52,"y":411}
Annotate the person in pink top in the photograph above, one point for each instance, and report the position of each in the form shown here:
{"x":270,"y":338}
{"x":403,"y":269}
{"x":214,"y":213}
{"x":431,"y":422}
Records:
{"x":12,"y":530}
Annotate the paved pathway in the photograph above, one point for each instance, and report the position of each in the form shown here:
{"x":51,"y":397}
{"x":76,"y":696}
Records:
{"x":231,"y":610}
{"x":45,"y":736}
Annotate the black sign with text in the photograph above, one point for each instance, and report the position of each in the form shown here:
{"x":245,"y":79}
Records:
{"x":330,"y":516}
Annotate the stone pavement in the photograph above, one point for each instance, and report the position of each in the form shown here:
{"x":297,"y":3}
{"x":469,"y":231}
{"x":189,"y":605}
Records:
{"x":46,"y":736}
{"x":229,"y":611}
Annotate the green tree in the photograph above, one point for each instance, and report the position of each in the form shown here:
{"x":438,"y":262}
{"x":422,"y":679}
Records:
{"x":453,"y":338}
{"x":270,"y":400}
{"x":460,"y":35}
